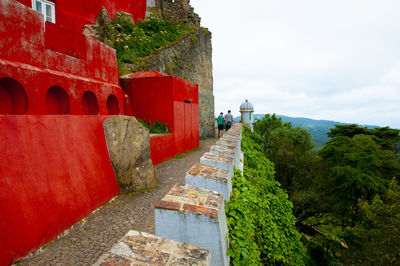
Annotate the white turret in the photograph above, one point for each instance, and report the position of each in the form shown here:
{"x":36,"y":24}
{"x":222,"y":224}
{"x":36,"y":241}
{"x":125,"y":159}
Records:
{"x":247,"y":110}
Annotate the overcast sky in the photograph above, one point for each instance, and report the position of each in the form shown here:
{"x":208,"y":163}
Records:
{"x":336,"y":60}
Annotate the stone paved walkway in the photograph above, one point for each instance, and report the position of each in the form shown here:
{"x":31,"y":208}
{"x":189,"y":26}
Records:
{"x":94,"y":235}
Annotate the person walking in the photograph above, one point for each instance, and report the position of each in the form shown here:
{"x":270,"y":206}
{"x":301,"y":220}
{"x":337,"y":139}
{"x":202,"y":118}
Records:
{"x":220,"y":122}
{"x":228,"y":120}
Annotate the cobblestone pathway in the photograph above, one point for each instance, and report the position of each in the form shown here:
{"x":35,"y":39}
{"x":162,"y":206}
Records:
{"x":94,"y":235}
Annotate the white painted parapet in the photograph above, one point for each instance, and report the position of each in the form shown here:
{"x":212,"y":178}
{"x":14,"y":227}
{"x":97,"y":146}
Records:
{"x":139,"y":248}
{"x":221,"y":150}
{"x":226,"y":144}
{"x":197,"y":216}
{"x":232,"y":140}
{"x":211,"y":178}
{"x":218,"y":161}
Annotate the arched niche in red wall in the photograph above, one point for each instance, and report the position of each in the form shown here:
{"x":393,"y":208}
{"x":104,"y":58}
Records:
{"x":90,"y":105}
{"x":112,"y":105}
{"x":13,"y":99}
{"x":57,"y":101}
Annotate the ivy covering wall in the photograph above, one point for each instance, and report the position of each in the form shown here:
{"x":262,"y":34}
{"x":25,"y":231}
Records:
{"x":260,"y":219}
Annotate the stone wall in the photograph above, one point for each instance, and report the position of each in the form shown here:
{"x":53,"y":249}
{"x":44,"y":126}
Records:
{"x":190,"y":59}
{"x":177,"y":10}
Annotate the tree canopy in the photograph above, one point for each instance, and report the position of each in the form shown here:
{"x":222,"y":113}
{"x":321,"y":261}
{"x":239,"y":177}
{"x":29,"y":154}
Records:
{"x":345,"y":196}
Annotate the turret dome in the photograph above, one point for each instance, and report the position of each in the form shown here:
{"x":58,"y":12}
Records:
{"x":246,"y":106}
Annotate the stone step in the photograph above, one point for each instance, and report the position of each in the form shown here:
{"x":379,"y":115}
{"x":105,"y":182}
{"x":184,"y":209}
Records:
{"x":139,"y":248}
{"x":210,"y":177}
{"x":197,"y":216}
{"x":218,"y":161}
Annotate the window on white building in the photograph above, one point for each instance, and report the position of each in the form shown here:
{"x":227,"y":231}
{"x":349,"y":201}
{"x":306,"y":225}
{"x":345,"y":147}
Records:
{"x":46,"y":8}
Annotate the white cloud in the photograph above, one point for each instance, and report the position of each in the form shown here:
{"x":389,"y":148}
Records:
{"x":337,"y":60}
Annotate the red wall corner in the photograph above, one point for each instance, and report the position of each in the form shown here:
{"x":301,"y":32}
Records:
{"x":54,"y":170}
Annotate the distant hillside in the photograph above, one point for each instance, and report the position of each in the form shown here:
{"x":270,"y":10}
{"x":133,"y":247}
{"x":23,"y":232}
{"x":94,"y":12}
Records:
{"x":317,"y":128}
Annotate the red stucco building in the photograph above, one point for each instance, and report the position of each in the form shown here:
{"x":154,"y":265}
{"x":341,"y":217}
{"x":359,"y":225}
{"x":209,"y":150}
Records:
{"x":56,"y":88}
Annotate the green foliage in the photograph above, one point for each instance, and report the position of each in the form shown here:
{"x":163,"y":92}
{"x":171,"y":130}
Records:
{"x":291,"y":151}
{"x":344,"y":191}
{"x":133,"y":42}
{"x":266,"y":125}
{"x":193,"y":39}
{"x":317,"y":128}
{"x":296,"y":163}
{"x":318,"y":252}
{"x":259,"y":214}
{"x":386,"y":137}
{"x":358,"y":163}
{"x":376,"y":239}
{"x":155,"y":128}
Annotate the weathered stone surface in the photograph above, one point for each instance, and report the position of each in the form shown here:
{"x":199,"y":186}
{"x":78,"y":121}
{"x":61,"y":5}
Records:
{"x":100,"y":30}
{"x":121,"y":15}
{"x":178,"y":10}
{"x":192,"y":199}
{"x":128,"y":145}
{"x":190,"y":59}
{"x":216,"y":160}
{"x":92,"y":30}
{"x":226,"y":144}
{"x":208,"y":171}
{"x":139,"y":248}
{"x":222,"y":150}
{"x":200,"y":220}
{"x":211,"y":178}
{"x":104,"y":17}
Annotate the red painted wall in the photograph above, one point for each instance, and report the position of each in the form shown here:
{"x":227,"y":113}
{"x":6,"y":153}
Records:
{"x":47,"y":186}
{"x":162,"y":147}
{"x":74,"y":14}
{"x":186,"y":115}
{"x":39,"y":60}
{"x":170,"y":100}
{"x":150,"y":99}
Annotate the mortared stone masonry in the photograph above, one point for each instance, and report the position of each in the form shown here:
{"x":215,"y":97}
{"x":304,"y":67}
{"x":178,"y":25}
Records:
{"x":196,"y":216}
{"x":139,"y":248}
{"x":210,"y":177}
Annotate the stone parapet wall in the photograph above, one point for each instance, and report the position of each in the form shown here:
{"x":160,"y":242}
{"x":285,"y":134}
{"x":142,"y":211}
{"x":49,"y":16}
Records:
{"x":139,"y":248}
{"x":194,"y":213}
{"x":196,"y":216}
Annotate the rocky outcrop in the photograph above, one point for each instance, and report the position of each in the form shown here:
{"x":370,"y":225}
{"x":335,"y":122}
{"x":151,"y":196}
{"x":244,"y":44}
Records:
{"x":177,"y":10}
{"x":190,"y":59}
{"x":128,"y":144}
{"x":101,"y":30}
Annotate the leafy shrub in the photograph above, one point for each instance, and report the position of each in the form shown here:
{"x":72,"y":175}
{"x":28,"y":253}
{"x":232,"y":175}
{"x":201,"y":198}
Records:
{"x":260,"y":219}
{"x":156,"y":128}
{"x":133,"y":42}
